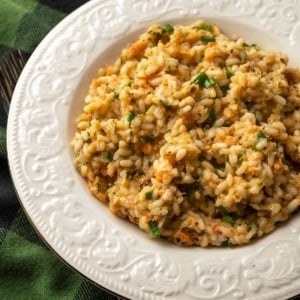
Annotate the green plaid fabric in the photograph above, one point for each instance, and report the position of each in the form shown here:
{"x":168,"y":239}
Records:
{"x":28,"y":269}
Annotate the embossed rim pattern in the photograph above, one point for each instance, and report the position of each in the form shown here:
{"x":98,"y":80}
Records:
{"x":109,"y":251}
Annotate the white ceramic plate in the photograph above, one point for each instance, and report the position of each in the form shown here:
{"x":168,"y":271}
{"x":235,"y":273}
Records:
{"x":82,"y":231}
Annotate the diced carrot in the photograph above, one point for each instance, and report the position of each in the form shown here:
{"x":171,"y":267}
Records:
{"x":278,"y":166}
{"x":136,"y":48}
{"x":148,"y":149}
{"x":142,"y":180}
{"x":183,"y":238}
{"x":252,"y":170}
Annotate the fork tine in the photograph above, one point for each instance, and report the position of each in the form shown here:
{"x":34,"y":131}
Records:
{"x":11,"y":66}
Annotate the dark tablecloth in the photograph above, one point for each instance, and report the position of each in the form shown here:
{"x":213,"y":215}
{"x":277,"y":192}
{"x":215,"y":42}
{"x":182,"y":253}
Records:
{"x":28,"y":268}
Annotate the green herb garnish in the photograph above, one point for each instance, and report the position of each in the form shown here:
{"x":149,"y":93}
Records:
{"x":212,"y":117}
{"x":115,"y":94}
{"x":131,"y":115}
{"x":155,"y":231}
{"x":129,"y":84}
{"x":188,"y":189}
{"x":220,"y":167}
{"x":251,"y":225}
{"x":165,"y":103}
{"x":223,"y":210}
{"x":147,"y":139}
{"x":228,"y":219}
{"x":228,"y":74}
{"x":156,"y":34}
{"x":253,"y":45}
{"x":260,"y":136}
{"x":209,"y":82}
{"x":207,"y":39}
{"x":200,"y":79}
{"x":224,"y":89}
{"x":203,"y":80}
{"x":241,"y":157}
{"x":192,"y":187}
{"x":206,"y":26}
{"x":168,"y":28}
{"x":108,"y":156}
{"x":227,"y":243}
{"x":148,"y":195}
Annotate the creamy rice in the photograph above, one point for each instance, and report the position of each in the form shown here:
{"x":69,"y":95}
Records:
{"x":194,"y":136}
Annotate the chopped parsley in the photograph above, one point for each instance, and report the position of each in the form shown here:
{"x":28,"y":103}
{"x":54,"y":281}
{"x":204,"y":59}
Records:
{"x":148,"y":195}
{"x":188,"y":189}
{"x":155,"y":231}
{"x":203,"y":80}
{"x":207,"y":39}
{"x":200,"y":79}
{"x":157,"y":34}
{"x":228,"y":217}
{"x":108,"y":156}
{"x":168,"y":28}
{"x":129,"y":84}
{"x":224,"y":89}
{"x":147,"y":139}
{"x":260,"y":136}
{"x":209,"y":82}
{"x":206,"y":26}
{"x":192,"y":187}
{"x":241,"y":157}
{"x":218,"y":166}
{"x":228,"y":74}
{"x":115,"y":94}
{"x":131,"y":115}
{"x":165,"y":104}
{"x":227,"y":243}
{"x":212,"y":117}
{"x":253,"y":45}
{"x":251,"y":225}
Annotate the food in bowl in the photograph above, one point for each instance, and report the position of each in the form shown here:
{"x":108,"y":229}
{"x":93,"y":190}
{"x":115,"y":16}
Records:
{"x":194,"y":136}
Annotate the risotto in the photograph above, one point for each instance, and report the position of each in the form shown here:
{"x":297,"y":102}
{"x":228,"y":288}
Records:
{"x":194,"y":136}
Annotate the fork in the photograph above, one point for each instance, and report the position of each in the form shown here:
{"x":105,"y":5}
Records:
{"x":11,"y":66}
